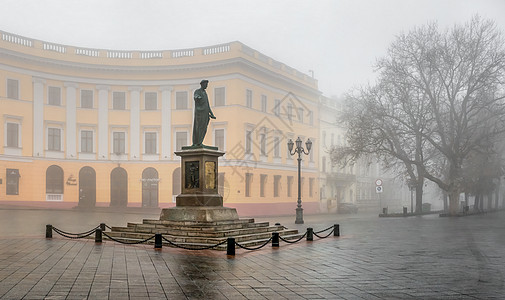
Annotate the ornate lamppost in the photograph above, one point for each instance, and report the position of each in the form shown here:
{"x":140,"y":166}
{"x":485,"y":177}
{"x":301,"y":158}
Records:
{"x":299,"y":149}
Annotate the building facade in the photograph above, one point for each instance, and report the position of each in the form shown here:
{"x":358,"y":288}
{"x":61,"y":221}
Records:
{"x":92,"y":127}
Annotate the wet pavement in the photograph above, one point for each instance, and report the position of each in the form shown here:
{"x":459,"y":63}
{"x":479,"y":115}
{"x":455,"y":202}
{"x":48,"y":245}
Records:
{"x":374,"y":258}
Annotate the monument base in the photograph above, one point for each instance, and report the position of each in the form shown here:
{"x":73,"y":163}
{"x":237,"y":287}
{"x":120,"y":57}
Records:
{"x":199,"y":214}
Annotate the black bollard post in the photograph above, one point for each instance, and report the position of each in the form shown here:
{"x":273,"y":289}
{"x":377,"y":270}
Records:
{"x":102,"y":226}
{"x":230,"y":249}
{"x":404,"y":211}
{"x":98,"y":235}
{"x":157,"y":241}
{"x":49,"y":231}
{"x":310,"y":234}
{"x":336,"y":230}
{"x":275,"y":239}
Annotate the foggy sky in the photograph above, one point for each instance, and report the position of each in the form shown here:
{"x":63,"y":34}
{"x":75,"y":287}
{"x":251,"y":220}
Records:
{"x":339,"y":40}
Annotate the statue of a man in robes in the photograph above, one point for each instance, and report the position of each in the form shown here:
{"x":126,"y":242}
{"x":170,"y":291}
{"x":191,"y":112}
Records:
{"x":202,"y":114}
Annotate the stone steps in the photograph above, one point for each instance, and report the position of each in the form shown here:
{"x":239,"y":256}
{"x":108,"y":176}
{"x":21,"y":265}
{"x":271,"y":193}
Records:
{"x":197,"y":245}
{"x":202,"y":234}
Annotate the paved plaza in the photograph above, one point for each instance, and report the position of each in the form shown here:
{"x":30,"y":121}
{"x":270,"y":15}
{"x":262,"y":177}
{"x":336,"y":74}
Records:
{"x":375,"y":258}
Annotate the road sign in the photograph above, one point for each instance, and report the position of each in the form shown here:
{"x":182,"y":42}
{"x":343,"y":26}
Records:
{"x":379,"y":189}
{"x":378,"y":182}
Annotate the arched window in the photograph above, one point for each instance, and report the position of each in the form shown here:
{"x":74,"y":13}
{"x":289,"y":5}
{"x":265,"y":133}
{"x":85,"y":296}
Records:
{"x":54,"y":180}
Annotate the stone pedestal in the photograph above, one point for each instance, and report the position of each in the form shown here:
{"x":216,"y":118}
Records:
{"x":199,"y":200}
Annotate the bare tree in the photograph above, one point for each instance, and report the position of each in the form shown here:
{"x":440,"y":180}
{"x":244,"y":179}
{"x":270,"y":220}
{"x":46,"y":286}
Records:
{"x":439,"y":97}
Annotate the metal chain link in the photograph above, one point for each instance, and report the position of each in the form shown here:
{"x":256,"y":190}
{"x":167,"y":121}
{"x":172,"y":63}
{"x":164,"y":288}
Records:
{"x":189,"y":248}
{"x":325,"y":229}
{"x":323,"y":237}
{"x":127,"y":243}
{"x":292,"y":242}
{"x":71,"y":237}
{"x":252,"y":249}
{"x":83,"y":233}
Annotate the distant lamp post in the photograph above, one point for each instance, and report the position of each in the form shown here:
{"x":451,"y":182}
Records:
{"x":299,"y":149}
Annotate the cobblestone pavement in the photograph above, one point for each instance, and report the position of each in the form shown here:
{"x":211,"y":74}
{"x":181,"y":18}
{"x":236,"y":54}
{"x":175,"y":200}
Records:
{"x":375,"y":258}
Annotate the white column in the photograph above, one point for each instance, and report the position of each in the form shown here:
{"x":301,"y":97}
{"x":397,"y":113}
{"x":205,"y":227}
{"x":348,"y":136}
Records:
{"x":135,"y":122}
{"x":38,"y":116}
{"x":103,"y":122}
{"x":71,"y":122}
{"x":166,"y":121}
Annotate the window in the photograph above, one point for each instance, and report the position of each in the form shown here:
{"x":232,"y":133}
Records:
{"x":248,"y":141}
{"x":290,"y":185}
{"x":181,"y":100}
{"x":311,"y":187}
{"x":277,"y":147}
{"x":151,"y":101}
{"x":150,"y":143}
{"x":86,"y":99}
{"x":311,"y":153}
{"x":118,"y":142}
{"x":277,"y":180}
{"x":290,"y":111}
{"x":118,"y":100}
{"x":13,"y":135}
{"x":323,"y":164}
{"x":300,"y":114}
{"x":87,"y":141}
{"x":277,"y":107}
{"x":219,"y":138}
{"x":264,"y":103}
{"x":54,"y":96}
{"x":248,"y":181}
{"x":263,"y":182}
{"x":248,"y":98}
{"x":263,"y":144}
{"x":12,"y":179}
{"x":311,"y":118}
{"x":54,"y":139}
{"x":181,"y":139}
{"x":12,"y":89}
{"x":54,"y":180}
{"x":219,"y":96}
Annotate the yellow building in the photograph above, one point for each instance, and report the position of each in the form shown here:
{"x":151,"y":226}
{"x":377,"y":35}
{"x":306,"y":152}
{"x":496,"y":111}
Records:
{"x":94,"y":127}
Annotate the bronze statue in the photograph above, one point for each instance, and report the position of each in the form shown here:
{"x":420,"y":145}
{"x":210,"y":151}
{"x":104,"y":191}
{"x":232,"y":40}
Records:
{"x":202,"y":114}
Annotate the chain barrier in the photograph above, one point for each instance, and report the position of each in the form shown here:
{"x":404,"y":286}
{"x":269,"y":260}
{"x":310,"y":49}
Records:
{"x":292,"y":242}
{"x":323,"y":237}
{"x":110,"y":228}
{"x":69,"y":235}
{"x":127,"y":243}
{"x":331,"y":227}
{"x":59,"y":231}
{"x":256,"y":248}
{"x":190,"y":248}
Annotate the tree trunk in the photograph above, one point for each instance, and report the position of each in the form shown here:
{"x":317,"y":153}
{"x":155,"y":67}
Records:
{"x":476,"y":202}
{"x":419,"y":196}
{"x":490,"y":200}
{"x":481,"y":202}
{"x":497,"y":197}
{"x":446,"y":206}
{"x":454,"y":202}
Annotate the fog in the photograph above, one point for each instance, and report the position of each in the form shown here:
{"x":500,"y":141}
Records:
{"x":336,"y":41}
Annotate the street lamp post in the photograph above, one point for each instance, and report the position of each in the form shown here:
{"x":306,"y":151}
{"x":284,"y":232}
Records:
{"x":299,"y":149}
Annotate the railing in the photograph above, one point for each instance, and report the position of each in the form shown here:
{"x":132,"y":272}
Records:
{"x":16,"y":39}
{"x":183,"y":53}
{"x":54,"y":47}
{"x":87,"y":52}
{"x":119,"y":54}
{"x":216,"y":49}
{"x":151,"y":54}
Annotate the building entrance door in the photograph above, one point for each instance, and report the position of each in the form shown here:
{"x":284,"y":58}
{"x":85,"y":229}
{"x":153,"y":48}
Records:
{"x":150,"y":188}
{"x":118,"y":187}
{"x":87,"y":187}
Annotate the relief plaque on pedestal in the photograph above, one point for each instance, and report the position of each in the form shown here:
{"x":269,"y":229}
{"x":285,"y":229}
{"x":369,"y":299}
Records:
{"x":199,"y":200}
